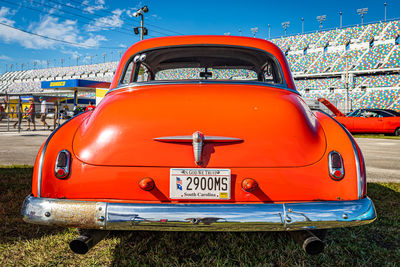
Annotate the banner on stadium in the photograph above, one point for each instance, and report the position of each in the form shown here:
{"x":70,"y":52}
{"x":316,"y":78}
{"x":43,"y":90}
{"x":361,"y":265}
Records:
{"x":74,"y":83}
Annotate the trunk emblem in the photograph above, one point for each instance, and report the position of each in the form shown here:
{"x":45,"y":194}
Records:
{"x":198,"y":139}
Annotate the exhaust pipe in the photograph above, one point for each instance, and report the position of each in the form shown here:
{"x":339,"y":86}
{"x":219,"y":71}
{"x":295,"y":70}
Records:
{"x":88,"y":239}
{"x":310,"y":243}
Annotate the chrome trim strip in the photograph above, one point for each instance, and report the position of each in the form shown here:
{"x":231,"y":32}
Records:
{"x":198,"y":217}
{"x":154,"y":83}
{"x":198,"y":139}
{"x":358,"y":161}
{"x":189,"y":138}
{"x":41,"y":160}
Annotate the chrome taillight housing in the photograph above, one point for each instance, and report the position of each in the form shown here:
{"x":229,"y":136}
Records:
{"x":336,"y":168}
{"x":62,"y":167}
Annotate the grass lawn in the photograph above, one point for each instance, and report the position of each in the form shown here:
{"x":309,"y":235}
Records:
{"x":23,"y":244}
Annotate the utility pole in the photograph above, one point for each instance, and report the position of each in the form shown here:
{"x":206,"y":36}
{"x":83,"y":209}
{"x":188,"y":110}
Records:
{"x":340,"y":23}
{"x":362,"y":12}
{"x":321,"y":19}
{"x":143,"y":30}
{"x":285,"y":25}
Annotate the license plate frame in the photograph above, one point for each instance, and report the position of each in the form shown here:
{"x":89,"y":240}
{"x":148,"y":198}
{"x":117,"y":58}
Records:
{"x":212,"y":184}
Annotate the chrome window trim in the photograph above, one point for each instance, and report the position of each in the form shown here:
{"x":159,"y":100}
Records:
{"x":274,"y":59}
{"x":41,"y":160}
{"x":154,"y":83}
{"x":355,"y":150}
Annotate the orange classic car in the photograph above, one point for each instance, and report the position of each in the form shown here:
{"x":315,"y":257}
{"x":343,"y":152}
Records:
{"x":200,"y":133}
{"x":368,"y":120}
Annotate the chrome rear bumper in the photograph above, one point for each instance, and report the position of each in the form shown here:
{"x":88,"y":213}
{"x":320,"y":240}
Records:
{"x":198,"y":217}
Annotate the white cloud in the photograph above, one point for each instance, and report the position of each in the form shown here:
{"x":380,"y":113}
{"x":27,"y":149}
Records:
{"x":112,"y":21}
{"x":4,"y":12}
{"x":66,"y":30}
{"x":98,"y":5}
{"x":4,"y":57}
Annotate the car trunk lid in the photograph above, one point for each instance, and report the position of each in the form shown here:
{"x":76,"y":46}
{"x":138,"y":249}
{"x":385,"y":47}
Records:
{"x":276,"y":127}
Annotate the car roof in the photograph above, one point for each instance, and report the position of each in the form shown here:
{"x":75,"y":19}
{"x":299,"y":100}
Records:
{"x":207,"y":40}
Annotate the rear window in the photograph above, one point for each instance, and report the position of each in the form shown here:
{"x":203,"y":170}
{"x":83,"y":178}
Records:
{"x":186,"y":63}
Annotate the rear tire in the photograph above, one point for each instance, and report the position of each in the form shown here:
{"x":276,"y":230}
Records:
{"x":397,"y":132}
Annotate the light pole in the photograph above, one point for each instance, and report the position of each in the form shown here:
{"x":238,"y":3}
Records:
{"x":340,"y":21}
{"x":348,"y":107}
{"x":62,"y":62}
{"x":385,"y":9}
{"x":302,"y":25}
{"x":321,"y":19}
{"x":240,"y":32}
{"x":362,"y":12}
{"x":143,"y":30}
{"x":254,"y":31}
{"x":269,"y":31}
{"x":285,"y":25}
{"x":104,"y":57}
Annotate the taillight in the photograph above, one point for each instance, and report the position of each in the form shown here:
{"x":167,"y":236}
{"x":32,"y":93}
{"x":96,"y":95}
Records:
{"x":336,"y":168}
{"x":62,"y":167}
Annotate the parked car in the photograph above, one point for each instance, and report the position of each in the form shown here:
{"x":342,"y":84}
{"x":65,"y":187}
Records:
{"x":384,"y":121}
{"x":200,"y":133}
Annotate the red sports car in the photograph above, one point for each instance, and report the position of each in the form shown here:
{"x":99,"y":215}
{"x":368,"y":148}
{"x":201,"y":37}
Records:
{"x":367,"y":120}
{"x":188,"y":138}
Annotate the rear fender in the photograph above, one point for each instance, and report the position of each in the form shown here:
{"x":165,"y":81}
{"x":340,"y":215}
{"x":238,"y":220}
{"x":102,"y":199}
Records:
{"x":59,"y":139}
{"x":340,"y":139}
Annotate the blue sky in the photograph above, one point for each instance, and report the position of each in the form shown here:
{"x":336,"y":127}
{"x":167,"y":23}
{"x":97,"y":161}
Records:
{"x":103,"y":28}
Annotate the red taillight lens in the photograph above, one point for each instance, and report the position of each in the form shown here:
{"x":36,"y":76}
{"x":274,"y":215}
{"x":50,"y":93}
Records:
{"x":146,"y":184}
{"x":249,"y":185}
{"x":62,"y":167}
{"x":336,"y":168}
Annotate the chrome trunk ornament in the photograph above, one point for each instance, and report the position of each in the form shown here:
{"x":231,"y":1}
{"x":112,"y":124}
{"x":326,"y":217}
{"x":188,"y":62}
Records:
{"x":198,"y":139}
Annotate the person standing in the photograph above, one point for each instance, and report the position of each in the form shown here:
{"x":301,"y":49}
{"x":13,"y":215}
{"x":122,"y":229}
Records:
{"x":90,"y":107}
{"x":19,"y":115}
{"x":31,"y":115}
{"x":43,"y":112}
{"x":2,"y":112}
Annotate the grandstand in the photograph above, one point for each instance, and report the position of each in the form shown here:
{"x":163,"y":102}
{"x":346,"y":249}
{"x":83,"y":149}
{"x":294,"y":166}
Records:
{"x":366,"y":56}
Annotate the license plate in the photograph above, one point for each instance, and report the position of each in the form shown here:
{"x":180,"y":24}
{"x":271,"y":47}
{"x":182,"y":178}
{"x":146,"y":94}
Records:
{"x":200,"y":184}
